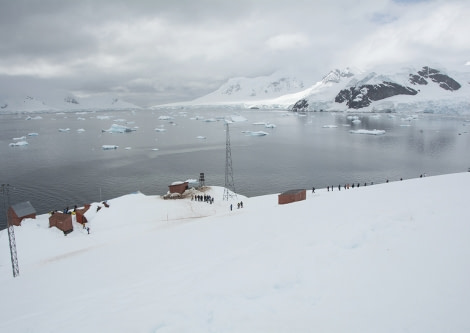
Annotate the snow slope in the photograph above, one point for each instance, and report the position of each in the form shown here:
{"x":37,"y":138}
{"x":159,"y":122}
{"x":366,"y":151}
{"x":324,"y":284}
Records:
{"x":385,"y":258}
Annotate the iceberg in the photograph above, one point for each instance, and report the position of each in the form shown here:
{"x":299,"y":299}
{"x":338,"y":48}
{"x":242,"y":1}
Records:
{"x":270,"y":126}
{"x":115,"y":128}
{"x":237,"y":118}
{"x":371,"y":132}
{"x":19,"y":144}
{"x":255,"y":133}
{"x":64,"y":129}
{"x":20,"y":138}
{"x":33,"y":134}
{"x":81,"y":130}
{"x":109,"y":147}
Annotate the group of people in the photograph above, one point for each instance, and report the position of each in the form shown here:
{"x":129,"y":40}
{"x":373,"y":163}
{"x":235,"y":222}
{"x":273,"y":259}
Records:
{"x":348,"y":186}
{"x":203,"y":198}
{"x":239,"y":205}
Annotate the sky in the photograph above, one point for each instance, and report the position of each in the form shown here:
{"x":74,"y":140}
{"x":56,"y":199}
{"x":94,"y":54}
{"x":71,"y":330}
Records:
{"x":155,"y":52}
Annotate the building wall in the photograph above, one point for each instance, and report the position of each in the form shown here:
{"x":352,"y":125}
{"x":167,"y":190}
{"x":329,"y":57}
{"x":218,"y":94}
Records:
{"x":15,"y":220}
{"x":179,"y":188}
{"x":61,"y":221}
{"x":291,"y":196}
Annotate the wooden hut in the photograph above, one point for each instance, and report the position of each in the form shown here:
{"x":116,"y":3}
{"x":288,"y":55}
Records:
{"x":80,"y":214}
{"x":61,"y":221}
{"x":178,"y":187}
{"x":292,"y":196}
{"x":21,"y":211}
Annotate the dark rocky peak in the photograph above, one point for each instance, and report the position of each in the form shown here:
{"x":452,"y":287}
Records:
{"x":444,"y":81}
{"x":363,"y":95}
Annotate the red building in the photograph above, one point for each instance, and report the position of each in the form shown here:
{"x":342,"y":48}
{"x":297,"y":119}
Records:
{"x":292,"y":196}
{"x":178,"y":187}
{"x":61,"y":221}
{"x":21,"y":211}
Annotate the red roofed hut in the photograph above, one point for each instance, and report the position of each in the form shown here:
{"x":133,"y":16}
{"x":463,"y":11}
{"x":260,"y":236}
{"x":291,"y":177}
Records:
{"x":61,"y":221}
{"x":21,"y":211}
{"x":80,"y":214}
{"x":178,"y":187}
{"x":292,"y":196}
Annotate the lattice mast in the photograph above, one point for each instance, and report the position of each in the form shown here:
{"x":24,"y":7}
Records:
{"x":229,"y":190}
{"x":11,"y":230}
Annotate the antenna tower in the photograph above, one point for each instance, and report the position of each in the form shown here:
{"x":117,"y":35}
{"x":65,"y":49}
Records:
{"x":229,"y":190}
{"x":11,"y":230}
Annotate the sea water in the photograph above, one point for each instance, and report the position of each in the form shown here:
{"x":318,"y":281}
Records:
{"x":64,"y":164}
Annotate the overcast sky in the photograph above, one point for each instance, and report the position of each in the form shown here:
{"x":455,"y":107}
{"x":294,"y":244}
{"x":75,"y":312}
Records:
{"x":158,"y":51}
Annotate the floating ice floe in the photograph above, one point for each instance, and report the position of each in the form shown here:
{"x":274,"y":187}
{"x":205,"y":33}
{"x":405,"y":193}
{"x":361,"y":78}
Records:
{"x":165,"y":118}
{"x":329,"y":126}
{"x":33,"y":134}
{"x":109,"y":147}
{"x":128,"y":148}
{"x":159,"y":129}
{"x":115,"y":128}
{"x":237,"y":118}
{"x":210,"y":120}
{"x":356,"y":121}
{"x":80,"y":130}
{"x":20,"y":138}
{"x":64,"y":129}
{"x":81,"y":118}
{"x":103,"y":117}
{"x":155,"y":149}
{"x":370,"y":132}
{"x":33,"y":118}
{"x":255,"y":133}
{"x":201,"y":137}
{"x":19,"y":144}
{"x":260,"y":123}
{"x":270,"y":126}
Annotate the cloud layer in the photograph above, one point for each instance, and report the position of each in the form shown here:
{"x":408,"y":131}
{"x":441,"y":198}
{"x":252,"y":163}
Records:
{"x":152,"y":52}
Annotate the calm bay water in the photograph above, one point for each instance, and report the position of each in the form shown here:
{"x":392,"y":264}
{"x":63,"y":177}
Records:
{"x":58,"y":169}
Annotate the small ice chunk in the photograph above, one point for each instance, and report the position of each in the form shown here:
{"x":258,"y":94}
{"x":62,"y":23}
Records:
{"x":200,"y":137}
{"x":159,"y":129}
{"x":109,"y":147}
{"x":270,"y":126}
{"x":165,"y":118}
{"x":33,"y":134}
{"x":371,"y":132}
{"x":64,"y":129}
{"x":237,"y":118}
{"x":330,"y":126}
{"x":115,"y":128}
{"x":19,"y":144}
{"x":81,"y":130}
{"x":258,"y":133}
{"x":20,"y":138}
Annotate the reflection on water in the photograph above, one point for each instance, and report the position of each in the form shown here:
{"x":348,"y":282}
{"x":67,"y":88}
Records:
{"x":59,"y":169}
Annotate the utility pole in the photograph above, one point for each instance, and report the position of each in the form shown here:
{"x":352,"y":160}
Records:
{"x":229,"y":190}
{"x":11,"y":230}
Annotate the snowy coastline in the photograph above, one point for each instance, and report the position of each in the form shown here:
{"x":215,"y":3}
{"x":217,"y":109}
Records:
{"x":393,"y":258}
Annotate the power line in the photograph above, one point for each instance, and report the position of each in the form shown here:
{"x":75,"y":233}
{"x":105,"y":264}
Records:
{"x":229,"y":190}
{"x":11,"y":230}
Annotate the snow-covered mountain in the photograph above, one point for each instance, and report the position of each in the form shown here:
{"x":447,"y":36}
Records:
{"x":421,"y":89}
{"x":62,"y":102}
{"x":424,"y":90}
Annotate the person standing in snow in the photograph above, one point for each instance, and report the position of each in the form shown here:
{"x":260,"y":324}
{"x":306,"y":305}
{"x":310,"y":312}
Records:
{"x":313,"y":189}
{"x":230,"y":207}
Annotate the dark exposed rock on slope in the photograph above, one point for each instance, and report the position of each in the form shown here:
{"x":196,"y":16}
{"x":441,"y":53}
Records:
{"x":444,"y":81}
{"x":361,"y":96}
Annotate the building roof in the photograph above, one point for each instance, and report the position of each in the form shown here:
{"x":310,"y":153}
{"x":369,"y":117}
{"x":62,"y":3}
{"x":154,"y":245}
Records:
{"x":293,"y":191}
{"x":23,"y":209}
